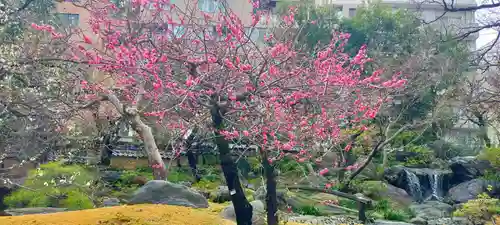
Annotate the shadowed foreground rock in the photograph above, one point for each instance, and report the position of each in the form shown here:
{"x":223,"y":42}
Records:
{"x":164,"y":192}
{"x":387,"y":222}
{"x":258,"y":216}
{"x":30,"y":211}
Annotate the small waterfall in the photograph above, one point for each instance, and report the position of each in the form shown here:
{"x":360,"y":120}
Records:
{"x":436,"y":186}
{"x":413,"y":185}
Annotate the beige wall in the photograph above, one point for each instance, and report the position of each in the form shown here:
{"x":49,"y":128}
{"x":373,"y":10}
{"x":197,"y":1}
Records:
{"x":242,"y":8}
{"x":130,"y":163}
{"x":452,"y":21}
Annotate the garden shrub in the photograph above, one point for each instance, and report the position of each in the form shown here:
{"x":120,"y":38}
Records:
{"x":422,"y":156}
{"x":396,"y":215}
{"x":347,"y":203}
{"x":309,"y":210}
{"x":289,"y":166}
{"x":205,"y":184}
{"x":492,"y":155}
{"x":127,"y":177}
{"x":388,"y":211}
{"x":480,"y":210}
{"x":404,"y":138}
{"x":55,"y":185}
{"x":445,"y":150}
{"x":176,"y":176}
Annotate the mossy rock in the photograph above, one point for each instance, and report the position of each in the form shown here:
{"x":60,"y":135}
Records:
{"x":306,"y":200}
{"x":372,"y":188}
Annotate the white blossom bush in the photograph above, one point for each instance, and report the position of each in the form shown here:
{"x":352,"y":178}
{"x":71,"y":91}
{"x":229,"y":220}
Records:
{"x":55,"y":185}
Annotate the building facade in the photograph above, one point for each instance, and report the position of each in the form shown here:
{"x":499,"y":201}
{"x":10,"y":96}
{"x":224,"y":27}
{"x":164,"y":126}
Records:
{"x":431,"y":13}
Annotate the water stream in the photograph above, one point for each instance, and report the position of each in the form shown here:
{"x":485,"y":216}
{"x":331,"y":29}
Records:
{"x":436,"y":186}
{"x":414,"y":188}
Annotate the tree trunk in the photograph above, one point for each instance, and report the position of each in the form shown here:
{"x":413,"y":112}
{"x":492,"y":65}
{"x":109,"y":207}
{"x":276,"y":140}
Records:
{"x":132,"y":115}
{"x":178,"y":161}
{"x":367,"y":161}
{"x":385,"y":158}
{"x":106,"y":150}
{"x":242,"y":207}
{"x":154,"y":157}
{"x":271,"y":196}
{"x":483,"y":129}
{"x":192,"y":164}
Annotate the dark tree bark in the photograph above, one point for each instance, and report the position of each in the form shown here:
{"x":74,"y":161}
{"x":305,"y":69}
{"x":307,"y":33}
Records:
{"x":271,"y":195}
{"x":178,"y":160}
{"x":192,"y":158}
{"x":483,"y":129}
{"x":192,"y":164}
{"x":106,"y":151}
{"x":242,"y":207}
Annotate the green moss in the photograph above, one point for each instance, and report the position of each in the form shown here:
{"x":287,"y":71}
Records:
{"x":177,"y":176}
{"x":55,"y":185}
{"x":77,"y":200}
{"x":492,"y":155}
{"x":207,"y":185}
{"x":371,"y":188}
{"x":249,"y":194}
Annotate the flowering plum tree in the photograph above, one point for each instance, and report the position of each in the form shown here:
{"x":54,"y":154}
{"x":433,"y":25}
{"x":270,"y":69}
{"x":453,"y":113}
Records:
{"x":186,"y":68}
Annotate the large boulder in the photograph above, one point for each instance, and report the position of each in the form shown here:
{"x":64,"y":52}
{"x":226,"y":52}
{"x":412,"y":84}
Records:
{"x":378,"y":190}
{"x":164,"y":192}
{"x":469,"y":190}
{"x":467,"y":168}
{"x":258,"y":213}
{"x":281,"y":195}
{"x":397,"y":195}
{"x":37,"y":210}
{"x":308,"y":219}
{"x":450,"y":221}
{"x":109,"y":202}
{"x":431,"y":210}
{"x":388,"y":222}
{"x":221,"y":195}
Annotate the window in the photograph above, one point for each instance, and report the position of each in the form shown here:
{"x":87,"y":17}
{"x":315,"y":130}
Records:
{"x":163,"y":6}
{"x":120,"y":3}
{"x":256,"y":34}
{"x":68,"y":19}
{"x":177,"y":31}
{"x":352,"y":12}
{"x":208,"y":6}
{"x":340,"y":12}
{"x":170,"y":31}
{"x":253,"y":33}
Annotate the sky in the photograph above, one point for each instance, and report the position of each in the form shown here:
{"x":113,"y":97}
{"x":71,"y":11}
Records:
{"x":486,"y":35}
